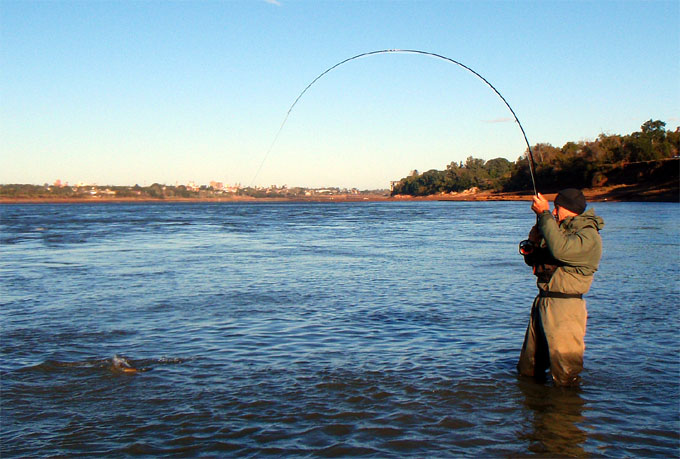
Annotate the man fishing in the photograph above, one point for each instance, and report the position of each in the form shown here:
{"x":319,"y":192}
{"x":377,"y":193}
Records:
{"x":564,"y":250}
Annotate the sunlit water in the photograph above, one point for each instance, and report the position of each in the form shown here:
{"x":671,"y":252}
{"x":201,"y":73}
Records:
{"x":379,"y":329}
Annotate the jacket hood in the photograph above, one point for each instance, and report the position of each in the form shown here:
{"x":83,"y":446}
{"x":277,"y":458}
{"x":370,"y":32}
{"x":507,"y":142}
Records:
{"x":587,"y":218}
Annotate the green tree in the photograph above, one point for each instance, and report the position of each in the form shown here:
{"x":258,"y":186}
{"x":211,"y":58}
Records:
{"x":656,"y":129}
{"x":156,"y":191}
{"x":544,"y":154}
{"x":498,"y":167}
{"x":613,"y":148}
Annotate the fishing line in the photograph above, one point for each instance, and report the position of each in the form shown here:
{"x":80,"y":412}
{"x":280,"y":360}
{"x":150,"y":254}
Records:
{"x":532,"y":164}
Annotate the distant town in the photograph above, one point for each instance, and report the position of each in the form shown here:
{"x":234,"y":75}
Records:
{"x":190,"y":190}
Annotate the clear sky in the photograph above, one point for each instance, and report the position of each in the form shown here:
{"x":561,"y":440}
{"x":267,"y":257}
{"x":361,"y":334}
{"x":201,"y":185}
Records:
{"x":126,"y":92}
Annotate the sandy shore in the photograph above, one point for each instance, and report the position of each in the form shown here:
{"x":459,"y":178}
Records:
{"x":665,"y":193}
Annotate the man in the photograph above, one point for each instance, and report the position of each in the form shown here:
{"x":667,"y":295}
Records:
{"x":566,"y":253}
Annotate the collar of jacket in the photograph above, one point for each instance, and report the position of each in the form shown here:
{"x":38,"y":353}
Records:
{"x":586,"y":219}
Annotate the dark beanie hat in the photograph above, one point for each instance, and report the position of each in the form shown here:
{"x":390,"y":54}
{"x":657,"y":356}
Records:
{"x":571,"y":199}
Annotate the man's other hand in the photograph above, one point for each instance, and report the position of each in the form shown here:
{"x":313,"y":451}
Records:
{"x":540,"y":204}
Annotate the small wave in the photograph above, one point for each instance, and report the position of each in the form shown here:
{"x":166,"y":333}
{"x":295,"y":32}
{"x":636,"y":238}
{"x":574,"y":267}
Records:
{"x":173,"y":360}
{"x":117,"y":363}
{"x":50,"y":366}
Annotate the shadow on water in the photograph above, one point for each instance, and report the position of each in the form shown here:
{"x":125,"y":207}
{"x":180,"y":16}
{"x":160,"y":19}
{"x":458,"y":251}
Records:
{"x":557,"y":415}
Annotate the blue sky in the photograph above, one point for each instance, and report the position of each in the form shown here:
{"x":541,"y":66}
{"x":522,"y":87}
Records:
{"x":140,"y":92}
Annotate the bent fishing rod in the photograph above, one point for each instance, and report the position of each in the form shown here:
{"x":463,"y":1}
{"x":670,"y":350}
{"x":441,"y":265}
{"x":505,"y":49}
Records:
{"x":532,"y":164}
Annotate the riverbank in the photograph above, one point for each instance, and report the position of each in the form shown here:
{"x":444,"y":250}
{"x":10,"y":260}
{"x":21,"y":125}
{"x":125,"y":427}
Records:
{"x":668,"y":192}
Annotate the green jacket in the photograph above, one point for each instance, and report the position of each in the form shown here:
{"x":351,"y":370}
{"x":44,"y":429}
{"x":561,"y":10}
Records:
{"x":577,"y":246}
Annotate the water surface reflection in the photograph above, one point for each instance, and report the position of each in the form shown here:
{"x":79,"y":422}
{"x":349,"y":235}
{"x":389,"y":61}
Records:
{"x":557,"y":417}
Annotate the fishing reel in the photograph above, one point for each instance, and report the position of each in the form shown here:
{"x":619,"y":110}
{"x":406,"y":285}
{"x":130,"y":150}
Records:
{"x":526,"y":247}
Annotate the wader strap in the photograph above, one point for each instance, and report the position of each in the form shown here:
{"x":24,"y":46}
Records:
{"x":544,"y":294}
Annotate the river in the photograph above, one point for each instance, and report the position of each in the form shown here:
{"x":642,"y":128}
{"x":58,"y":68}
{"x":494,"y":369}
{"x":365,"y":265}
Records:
{"x":339,"y":329}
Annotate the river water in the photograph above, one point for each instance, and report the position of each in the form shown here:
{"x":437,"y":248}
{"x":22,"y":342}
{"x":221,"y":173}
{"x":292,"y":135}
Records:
{"x":354,"y":329}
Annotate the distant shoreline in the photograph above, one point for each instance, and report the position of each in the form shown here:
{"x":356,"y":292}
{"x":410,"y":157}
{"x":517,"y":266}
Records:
{"x":635,"y":193}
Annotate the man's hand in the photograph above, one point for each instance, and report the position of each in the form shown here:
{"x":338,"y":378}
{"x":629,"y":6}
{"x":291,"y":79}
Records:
{"x":540,"y":204}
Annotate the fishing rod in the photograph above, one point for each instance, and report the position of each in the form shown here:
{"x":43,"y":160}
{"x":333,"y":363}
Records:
{"x":532,"y":164}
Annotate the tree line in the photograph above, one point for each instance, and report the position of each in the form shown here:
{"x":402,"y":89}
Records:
{"x":576,"y":164}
